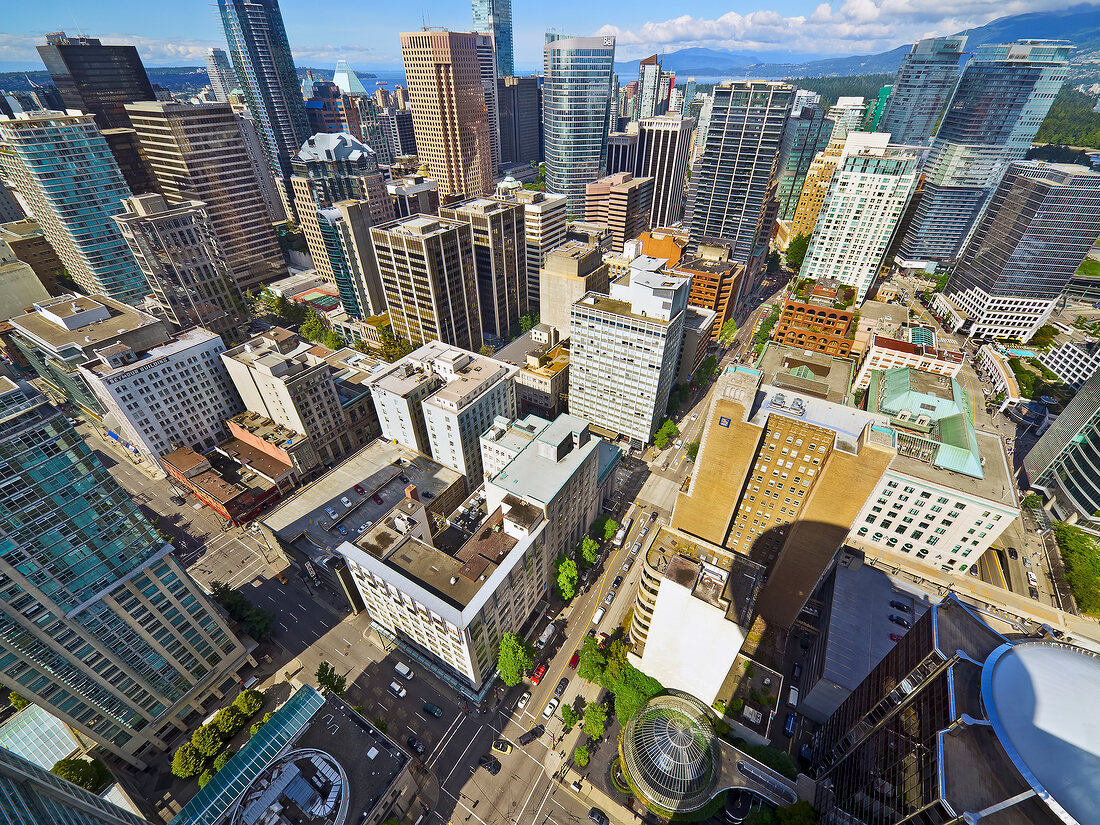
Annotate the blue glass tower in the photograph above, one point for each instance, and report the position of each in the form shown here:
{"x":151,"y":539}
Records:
{"x":495,"y":16}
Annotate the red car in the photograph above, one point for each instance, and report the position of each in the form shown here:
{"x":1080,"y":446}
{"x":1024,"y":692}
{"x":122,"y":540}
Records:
{"x":536,"y":677}
{"x":575,"y":660}
{"x":895,"y":637}
{"x":359,"y":489}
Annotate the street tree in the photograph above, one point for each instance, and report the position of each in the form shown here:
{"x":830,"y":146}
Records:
{"x":18,"y":702}
{"x":249,"y":702}
{"x":581,"y":755}
{"x":329,"y":680}
{"x":514,"y":658}
{"x":595,"y":719}
{"x":692,"y":451}
{"x":590,"y":550}
{"x":567,"y":577}
{"x":610,"y":528}
{"x":726,"y":333}
{"x":228,"y":721}
{"x":207,"y":740}
{"x":665,"y":434}
{"x":569,"y":716}
{"x":796,"y":251}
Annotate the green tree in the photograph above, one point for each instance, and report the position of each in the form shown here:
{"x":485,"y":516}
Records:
{"x":595,"y":719}
{"x":18,"y":702}
{"x":255,"y":621}
{"x":610,"y":528}
{"x":590,"y":550}
{"x":207,"y":740}
{"x":800,"y":813}
{"x":707,"y":369}
{"x":228,"y":721}
{"x":760,"y":816}
{"x":665,"y":434}
{"x":329,"y":681}
{"x":692,"y":450}
{"x":581,"y":756}
{"x":567,"y":577}
{"x":222,"y":759}
{"x":486,"y":350}
{"x":91,"y":775}
{"x":1081,"y":558}
{"x":205,"y":777}
{"x":313,"y":327}
{"x":528,"y":322}
{"x":593,"y":662}
{"x":331,"y":339}
{"x":514,"y":658}
{"x":257,"y":725}
{"x":796,"y":251}
{"x":249,"y":702}
{"x":1033,"y":500}
{"x":774,"y":264}
{"x":569,"y":716}
{"x":726,"y":333}
{"x":186,"y":761}
{"x":393,"y":348}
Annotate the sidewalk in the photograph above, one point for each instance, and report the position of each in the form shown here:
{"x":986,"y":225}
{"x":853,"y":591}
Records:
{"x":593,"y":797}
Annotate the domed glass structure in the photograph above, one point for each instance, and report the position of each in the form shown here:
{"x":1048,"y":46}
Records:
{"x":670,"y":753}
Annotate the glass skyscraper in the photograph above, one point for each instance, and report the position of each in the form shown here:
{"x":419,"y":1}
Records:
{"x":807,"y":133}
{"x":576,"y":105}
{"x":923,"y":84}
{"x":99,"y":624}
{"x":1000,"y":102}
{"x":495,"y":17}
{"x":223,"y":79}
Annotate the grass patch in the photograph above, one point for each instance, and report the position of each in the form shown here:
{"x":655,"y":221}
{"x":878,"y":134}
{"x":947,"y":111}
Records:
{"x":777,"y":760}
{"x":1089,"y":268}
{"x":1081,"y":558}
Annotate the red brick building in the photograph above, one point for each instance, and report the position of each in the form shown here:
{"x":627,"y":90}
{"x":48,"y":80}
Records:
{"x":815,"y":327}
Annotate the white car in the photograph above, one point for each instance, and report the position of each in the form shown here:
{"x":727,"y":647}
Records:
{"x":679,"y":443}
{"x":346,"y":501}
{"x":365,"y":526}
{"x":551,"y":706}
{"x":523,"y":700}
{"x":695,"y":416}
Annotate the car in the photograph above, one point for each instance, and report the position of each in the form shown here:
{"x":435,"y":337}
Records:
{"x":521,"y":703}
{"x":377,"y":499}
{"x":591,"y":633}
{"x":432,"y":709}
{"x":345,"y":501}
{"x":341,"y":529}
{"x":790,"y":724}
{"x":359,"y":489}
{"x":429,"y":494}
{"x":597,"y":617}
{"x":796,"y":672}
{"x":615,"y":584}
{"x":626,"y":564}
{"x":397,"y":690}
{"x":366,"y":525}
{"x":645,"y":531}
{"x":404,"y":478}
{"x":695,"y":416}
{"x":179,"y":501}
{"x":562,"y":685}
{"x":331,"y":513}
{"x":899,"y":620}
{"x":634,"y":550}
{"x":895,"y":637}
{"x":599,"y":817}
{"x":610,"y":597}
{"x":490,"y":763}
{"x":282,"y":579}
{"x":531,"y":735}
{"x":902,"y":606}
{"x":679,"y":443}
{"x":551,"y":706}
{"x":415,"y":744}
{"x":502,"y":746}
{"x":653,"y":516}
{"x":576,"y":660}
{"x":536,"y":677}
{"x":1027,"y":563}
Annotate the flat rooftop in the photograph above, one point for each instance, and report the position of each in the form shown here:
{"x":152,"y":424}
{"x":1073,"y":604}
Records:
{"x":263,"y":427}
{"x":535,"y":476}
{"x":518,"y":435}
{"x":996,"y":482}
{"x":256,"y":459}
{"x":614,"y":306}
{"x":122,"y":319}
{"x":805,"y":371}
{"x":194,"y":337}
{"x":848,"y":423}
{"x":709,"y":266}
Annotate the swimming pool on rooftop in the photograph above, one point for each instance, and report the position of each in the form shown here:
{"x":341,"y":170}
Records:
{"x":1021,"y":353}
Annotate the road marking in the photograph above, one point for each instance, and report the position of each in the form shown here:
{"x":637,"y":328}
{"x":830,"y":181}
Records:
{"x":446,"y":738}
{"x":461,"y":759}
{"x":346,"y":642}
{"x":284,"y":627}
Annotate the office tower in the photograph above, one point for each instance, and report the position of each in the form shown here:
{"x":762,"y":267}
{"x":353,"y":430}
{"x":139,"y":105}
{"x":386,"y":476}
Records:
{"x":544,"y":230}
{"x":735,"y":178}
{"x":34,"y":795}
{"x":223,"y":79}
{"x":189,"y":278}
{"x":705,"y":111}
{"x":569,"y":272}
{"x":867,"y":195}
{"x":622,"y":203}
{"x":197,"y":153}
{"x":265,"y":68}
{"x":449,"y":116}
{"x":819,"y":176}
{"x":622,"y":150}
{"x":331,"y":168}
{"x":413,"y":195}
{"x":500,"y":260}
{"x":807,"y":133}
{"x":1041,"y":222}
{"x":664,"y":144}
{"x":624,"y":349}
{"x":397,"y":128}
{"x":28,"y":242}
{"x":348,"y":80}
{"x":105,"y":578}
{"x":922,"y":87}
{"x":576,"y":104}
{"x":846,"y":115}
{"x":653,"y":87}
{"x":373,"y":128}
{"x":99,"y":80}
{"x":47,"y":97}
{"x":495,"y":17}
{"x":715,"y":280}
{"x":487,"y":63}
{"x":520,"y":113}
{"x":65,"y":173}
{"x":272,"y":198}
{"x":344,"y":228}
{"x":961,"y":722}
{"x":329,"y":109}
{"x":999,"y":103}
{"x":872,"y":113}
{"x":440,"y":255}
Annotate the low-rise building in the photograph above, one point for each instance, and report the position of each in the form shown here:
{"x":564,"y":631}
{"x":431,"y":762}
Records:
{"x":815,"y":325}
{"x":238,"y":492}
{"x":918,"y":348}
{"x":27,"y":241}
{"x":1073,"y":362}
{"x":1001,"y":376}
{"x":811,"y":373}
{"x":20,"y":286}
{"x":568,"y":273}
{"x":542,"y":383}
{"x":251,"y":433}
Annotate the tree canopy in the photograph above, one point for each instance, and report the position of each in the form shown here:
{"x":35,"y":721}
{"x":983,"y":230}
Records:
{"x":610,"y":669}
{"x":1071,"y":120}
{"x":249,"y":702}
{"x":329,"y":680}
{"x":187,"y":761}
{"x":796,"y":251}
{"x":567,"y":577}
{"x":595,"y":719}
{"x":1081,"y":558}
{"x":726,"y":333}
{"x":90,"y":774}
{"x":590,"y":550}
{"x":665,"y":434}
{"x":255,"y":621}
{"x":207,"y":740}
{"x":514,"y":658}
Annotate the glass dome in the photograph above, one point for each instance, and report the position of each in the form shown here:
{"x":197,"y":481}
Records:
{"x":670,"y":753}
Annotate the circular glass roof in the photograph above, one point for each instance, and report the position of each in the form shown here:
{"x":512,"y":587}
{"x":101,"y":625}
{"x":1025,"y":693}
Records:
{"x":1043,"y":699}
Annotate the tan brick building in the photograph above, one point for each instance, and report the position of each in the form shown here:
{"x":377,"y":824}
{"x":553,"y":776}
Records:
{"x":714,"y":281}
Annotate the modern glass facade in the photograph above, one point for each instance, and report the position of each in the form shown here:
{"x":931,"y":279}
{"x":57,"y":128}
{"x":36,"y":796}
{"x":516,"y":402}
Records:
{"x":922,"y":86}
{"x":223,"y":79}
{"x":99,"y":625}
{"x":495,"y":17}
{"x":576,"y":105}
{"x":807,"y":133}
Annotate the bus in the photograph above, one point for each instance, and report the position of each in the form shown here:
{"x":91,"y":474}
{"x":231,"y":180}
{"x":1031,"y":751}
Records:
{"x":624,"y":531}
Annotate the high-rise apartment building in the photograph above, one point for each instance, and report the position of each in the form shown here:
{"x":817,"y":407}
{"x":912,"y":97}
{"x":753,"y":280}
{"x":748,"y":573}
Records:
{"x":223,"y":79}
{"x":735,"y":178}
{"x":664,"y":144}
{"x":272,"y":197}
{"x":867,"y":196}
{"x":344,"y":229}
{"x":519,"y":110}
{"x":999,"y":103}
{"x":576,"y":107}
{"x":99,"y":80}
{"x":399,"y":132}
{"x":188,"y":275}
{"x":450,"y":119}
{"x":569,"y":272}
{"x":495,"y":17}
{"x":922,"y":87}
{"x":265,"y":68}
{"x":101,"y":625}
{"x":427,"y":269}
{"x":651,"y":102}
{"x":625,"y":348}
{"x":622,"y":203}
{"x":68,"y":178}
{"x":1038,"y":227}
{"x":807,"y":133}
{"x":487,"y":66}
{"x":500,"y":260}
{"x":197,"y":153}
{"x":543,"y":229}
{"x":846,"y":115}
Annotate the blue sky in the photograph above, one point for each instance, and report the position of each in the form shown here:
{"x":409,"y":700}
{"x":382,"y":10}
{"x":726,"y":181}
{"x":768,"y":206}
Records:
{"x":178,"y":32}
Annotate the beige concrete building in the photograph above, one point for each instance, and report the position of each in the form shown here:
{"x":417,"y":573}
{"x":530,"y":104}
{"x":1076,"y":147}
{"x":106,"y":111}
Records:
{"x":622,"y":203}
{"x":450,"y":119}
{"x":570,"y":271}
{"x":19,"y":284}
{"x":29,"y":244}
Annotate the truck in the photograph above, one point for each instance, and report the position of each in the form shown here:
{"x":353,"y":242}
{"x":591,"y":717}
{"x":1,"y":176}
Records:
{"x":619,"y":536}
{"x":546,"y":636}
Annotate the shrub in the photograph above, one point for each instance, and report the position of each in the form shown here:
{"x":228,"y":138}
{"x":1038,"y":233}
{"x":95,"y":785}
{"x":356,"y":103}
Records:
{"x":1081,"y":558}
{"x":221,"y":760}
{"x":581,"y":756}
{"x":207,"y":775}
{"x":186,"y":761}
{"x":737,"y":705}
{"x":228,"y":721}
{"x":257,"y":725}
{"x":207,"y":740}
{"x":249,"y":702}
{"x":91,"y":775}
{"x":18,"y":702}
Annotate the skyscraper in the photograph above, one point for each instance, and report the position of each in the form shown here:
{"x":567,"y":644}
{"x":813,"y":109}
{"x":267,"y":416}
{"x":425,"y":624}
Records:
{"x":735,"y":178}
{"x":348,"y":255}
{"x":198,"y":153}
{"x":449,"y":115}
{"x":807,"y":133}
{"x":664,"y":144}
{"x":487,"y":65}
{"x":651,"y":103}
{"x":67,"y":176}
{"x":520,"y":119}
{"x":100,"y":80}
{"x":999,"y":103}
{"x":265,"y":68}
{"x":100,"y":624}
{"x":495,"y":17}
{"x":576,"y":105}
{"x":922,"y":87}
{"x":846,"y":114}
{"x":1041,"y":222}
{"x":544,"y":230}
{"x":223,"y":79}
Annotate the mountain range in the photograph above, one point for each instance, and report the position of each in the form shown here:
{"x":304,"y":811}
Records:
{"x":1079,"y":24}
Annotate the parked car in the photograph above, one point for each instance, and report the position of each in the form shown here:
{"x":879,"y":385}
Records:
{"x":575,"y":660}
{"x":895,"y":637}
{"x":359,"y":489}
{"x":789,"y":725}
{"x":653,"y":516}
{"x":341,"y":529}
{"x":415,"y":744}
{"x":615,"y":584}
{"x":796,"y":672}
{"x":599,"y":817}
{"x":397,"y":690}
{"x":429,"y":494}
{"x":366,"y":525}
{"x":562,"y":685}
{"x":331,"y":513}
{"x":345,"y":501}
{"x":634,"y":550}
{"x":551,"y":706}
{"x":377,"y":499}
{"x":536,"y":677}
{"x":523,"y":700}
{"x":898,"y":620}
{"x":1013,"y":553}
{"x":627,"y":563}
{"x":502,"y":746}
{"x":610,"y":597}
{"x":902,"y":606}
{"x":490,"y":763}
{"x":433,"y":710}
{"x":598,"y":617}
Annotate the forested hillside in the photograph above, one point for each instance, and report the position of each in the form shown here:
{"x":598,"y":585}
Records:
{"x":1071,"y":121}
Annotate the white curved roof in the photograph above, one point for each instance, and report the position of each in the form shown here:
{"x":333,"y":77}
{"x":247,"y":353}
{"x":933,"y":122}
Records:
{"x":1043,"y":700}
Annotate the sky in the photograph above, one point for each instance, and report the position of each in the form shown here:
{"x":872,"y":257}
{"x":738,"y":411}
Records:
{"x":365,"y":32}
